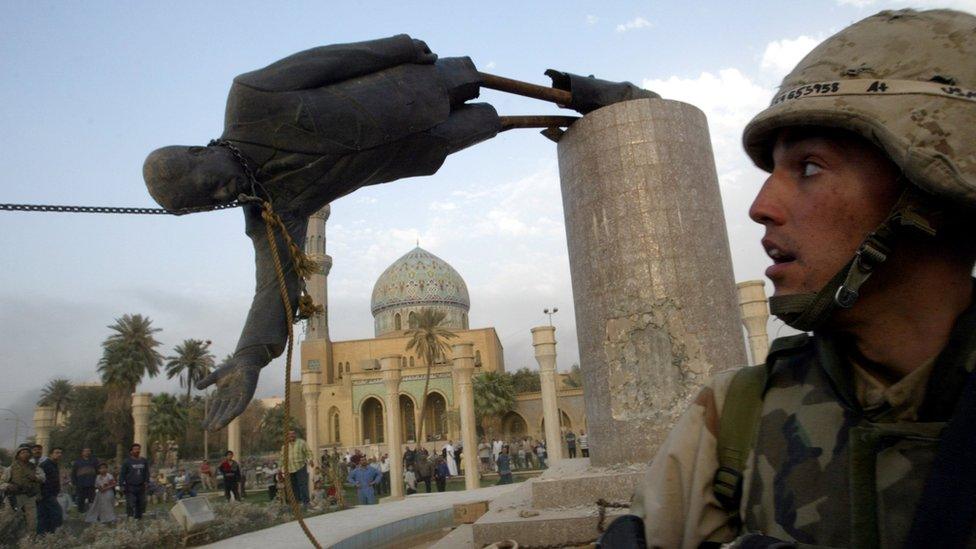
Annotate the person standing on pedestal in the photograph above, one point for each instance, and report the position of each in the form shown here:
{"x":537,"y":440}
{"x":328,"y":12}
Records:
{"x":299,"y":455}
{"x":134,"y":477}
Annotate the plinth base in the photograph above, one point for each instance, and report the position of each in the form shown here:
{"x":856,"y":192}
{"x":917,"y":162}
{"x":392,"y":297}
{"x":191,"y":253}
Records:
{"x":557,"y":508}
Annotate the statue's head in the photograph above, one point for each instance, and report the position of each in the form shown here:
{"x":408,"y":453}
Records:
{"x":185,"y":177}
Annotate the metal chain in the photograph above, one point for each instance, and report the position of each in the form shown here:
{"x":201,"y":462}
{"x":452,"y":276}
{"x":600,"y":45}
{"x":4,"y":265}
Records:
{"x":128,"y":210}
{"x":112,"y":209}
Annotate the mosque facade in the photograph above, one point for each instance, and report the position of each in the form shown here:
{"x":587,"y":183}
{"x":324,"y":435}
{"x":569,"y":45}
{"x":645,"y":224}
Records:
{"x":342,"y":385}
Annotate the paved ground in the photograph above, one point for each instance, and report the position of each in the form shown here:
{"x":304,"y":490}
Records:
{"x":332,"y":528}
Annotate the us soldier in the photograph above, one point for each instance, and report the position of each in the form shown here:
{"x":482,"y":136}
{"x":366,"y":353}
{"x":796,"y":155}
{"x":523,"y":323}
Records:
{"x":861,"y":433}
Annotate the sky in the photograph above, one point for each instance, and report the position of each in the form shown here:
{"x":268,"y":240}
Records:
{"x":89,"y":89}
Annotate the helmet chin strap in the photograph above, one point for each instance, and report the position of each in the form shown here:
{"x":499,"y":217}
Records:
{"x":808,"y":312}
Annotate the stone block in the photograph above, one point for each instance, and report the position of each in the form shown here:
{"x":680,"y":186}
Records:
{"x":467,"y":513}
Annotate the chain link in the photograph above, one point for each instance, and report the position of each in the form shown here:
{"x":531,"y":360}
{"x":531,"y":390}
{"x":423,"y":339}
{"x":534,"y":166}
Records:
{"x":113,"y":209}
{"x":128,"y":210}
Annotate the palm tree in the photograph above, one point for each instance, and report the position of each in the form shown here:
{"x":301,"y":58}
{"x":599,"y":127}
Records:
{"x":192,"y":362}
{"x":167,"y":417}
{"x":58,"y":393}
{"x":128,"y":355}
{"x":272,"y":427}
{"x":428,"y":341}
{"x":494,"y":396}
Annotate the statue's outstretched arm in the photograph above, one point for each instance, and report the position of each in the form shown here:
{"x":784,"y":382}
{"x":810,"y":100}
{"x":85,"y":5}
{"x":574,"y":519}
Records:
{"x":265,"y":331}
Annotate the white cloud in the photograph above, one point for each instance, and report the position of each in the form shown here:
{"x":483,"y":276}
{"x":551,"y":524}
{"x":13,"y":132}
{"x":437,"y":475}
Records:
{"x":490,"y":65}
{"x":592,"y":20}
{"x":729,"y":99}
{"x":781,"y":56}
{"x":635,"y":23}
{"x":442,"y":206}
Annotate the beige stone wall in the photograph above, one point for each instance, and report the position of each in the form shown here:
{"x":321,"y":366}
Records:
{"x":350,"y":374}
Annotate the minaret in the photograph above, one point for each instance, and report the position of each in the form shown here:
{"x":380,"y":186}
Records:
{"x":318,"y":325}
{"x":316,"y":350}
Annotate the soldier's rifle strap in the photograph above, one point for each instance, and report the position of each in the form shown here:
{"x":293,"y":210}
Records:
{"x":737,"y":430}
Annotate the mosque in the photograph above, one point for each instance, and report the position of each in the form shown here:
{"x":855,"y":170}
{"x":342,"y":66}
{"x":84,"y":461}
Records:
{"x":342,"y":390}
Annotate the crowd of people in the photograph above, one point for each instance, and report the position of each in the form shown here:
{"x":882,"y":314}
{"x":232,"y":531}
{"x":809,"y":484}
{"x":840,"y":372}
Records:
{"x":43,"y":488}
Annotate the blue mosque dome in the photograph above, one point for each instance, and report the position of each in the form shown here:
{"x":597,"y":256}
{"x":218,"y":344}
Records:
{"x":416,"y":281}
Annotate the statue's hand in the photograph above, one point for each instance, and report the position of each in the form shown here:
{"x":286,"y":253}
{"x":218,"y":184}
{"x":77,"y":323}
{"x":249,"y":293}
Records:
{"x":236,"y":380}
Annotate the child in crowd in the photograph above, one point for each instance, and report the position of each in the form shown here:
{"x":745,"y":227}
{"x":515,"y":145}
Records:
{"x":103,"y":508}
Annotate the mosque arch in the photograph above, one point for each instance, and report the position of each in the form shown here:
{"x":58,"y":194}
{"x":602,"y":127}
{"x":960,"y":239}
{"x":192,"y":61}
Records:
{"x":435,"y":416}
{"x":371,"y":412}
{"x":411,"y":362}
{"x":333,"y":423}
{"x":397,"y":322}
{"x":565,"y":424}
{"x":477,"y":358}
{"x":514,"y":426}
{"x":412,"y":320}
{"x":408,"y":418}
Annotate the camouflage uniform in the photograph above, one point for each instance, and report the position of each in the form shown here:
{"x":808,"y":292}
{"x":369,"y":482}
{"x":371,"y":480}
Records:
{"x":840,"y":459}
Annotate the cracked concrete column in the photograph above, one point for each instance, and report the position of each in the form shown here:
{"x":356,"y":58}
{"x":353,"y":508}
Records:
{"x":544,"y":341}
{"x":755,"y":315}
{"x":140,"y":420}
{"x":390,"y":365}
{"x":655,"y":297}
{"x":463,"y":354}
{"x":43,"y":425}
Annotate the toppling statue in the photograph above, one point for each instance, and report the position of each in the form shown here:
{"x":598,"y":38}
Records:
{"x":320,"y":124}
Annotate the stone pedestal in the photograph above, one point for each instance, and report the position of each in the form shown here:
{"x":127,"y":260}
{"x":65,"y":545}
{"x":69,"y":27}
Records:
{"x":463,"y":354}
{"x":544,"y":341}
{"x":234,"y":438}
{"x":140,"y":420}
{"x":44,"y":420}
{"x":391,"y":378}
{"x":311,"y":384}
{"x":754,"y":308}
{"x":652,"y":276}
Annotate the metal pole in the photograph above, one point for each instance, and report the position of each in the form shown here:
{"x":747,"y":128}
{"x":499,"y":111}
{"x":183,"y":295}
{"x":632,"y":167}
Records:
{"x":525,"y":89}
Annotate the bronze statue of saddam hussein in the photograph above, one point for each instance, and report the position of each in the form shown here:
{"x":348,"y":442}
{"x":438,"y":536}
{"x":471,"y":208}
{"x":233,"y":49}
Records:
{"x":321,"y":123}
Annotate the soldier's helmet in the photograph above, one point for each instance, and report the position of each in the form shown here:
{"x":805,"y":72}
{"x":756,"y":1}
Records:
{"x":904,"y":80}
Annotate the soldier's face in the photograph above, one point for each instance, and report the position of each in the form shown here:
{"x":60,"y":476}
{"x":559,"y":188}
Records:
{"x":827,"y":192}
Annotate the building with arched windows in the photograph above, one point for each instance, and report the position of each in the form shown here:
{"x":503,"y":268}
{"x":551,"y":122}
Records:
{"x":351,"y":395}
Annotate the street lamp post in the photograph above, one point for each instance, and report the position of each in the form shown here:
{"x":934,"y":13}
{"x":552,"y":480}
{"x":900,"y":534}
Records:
{"x":550,"y":312}
{"x":17,"y":423}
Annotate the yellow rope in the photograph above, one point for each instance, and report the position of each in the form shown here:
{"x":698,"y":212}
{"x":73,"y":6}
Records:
{"x":299,"y":261}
